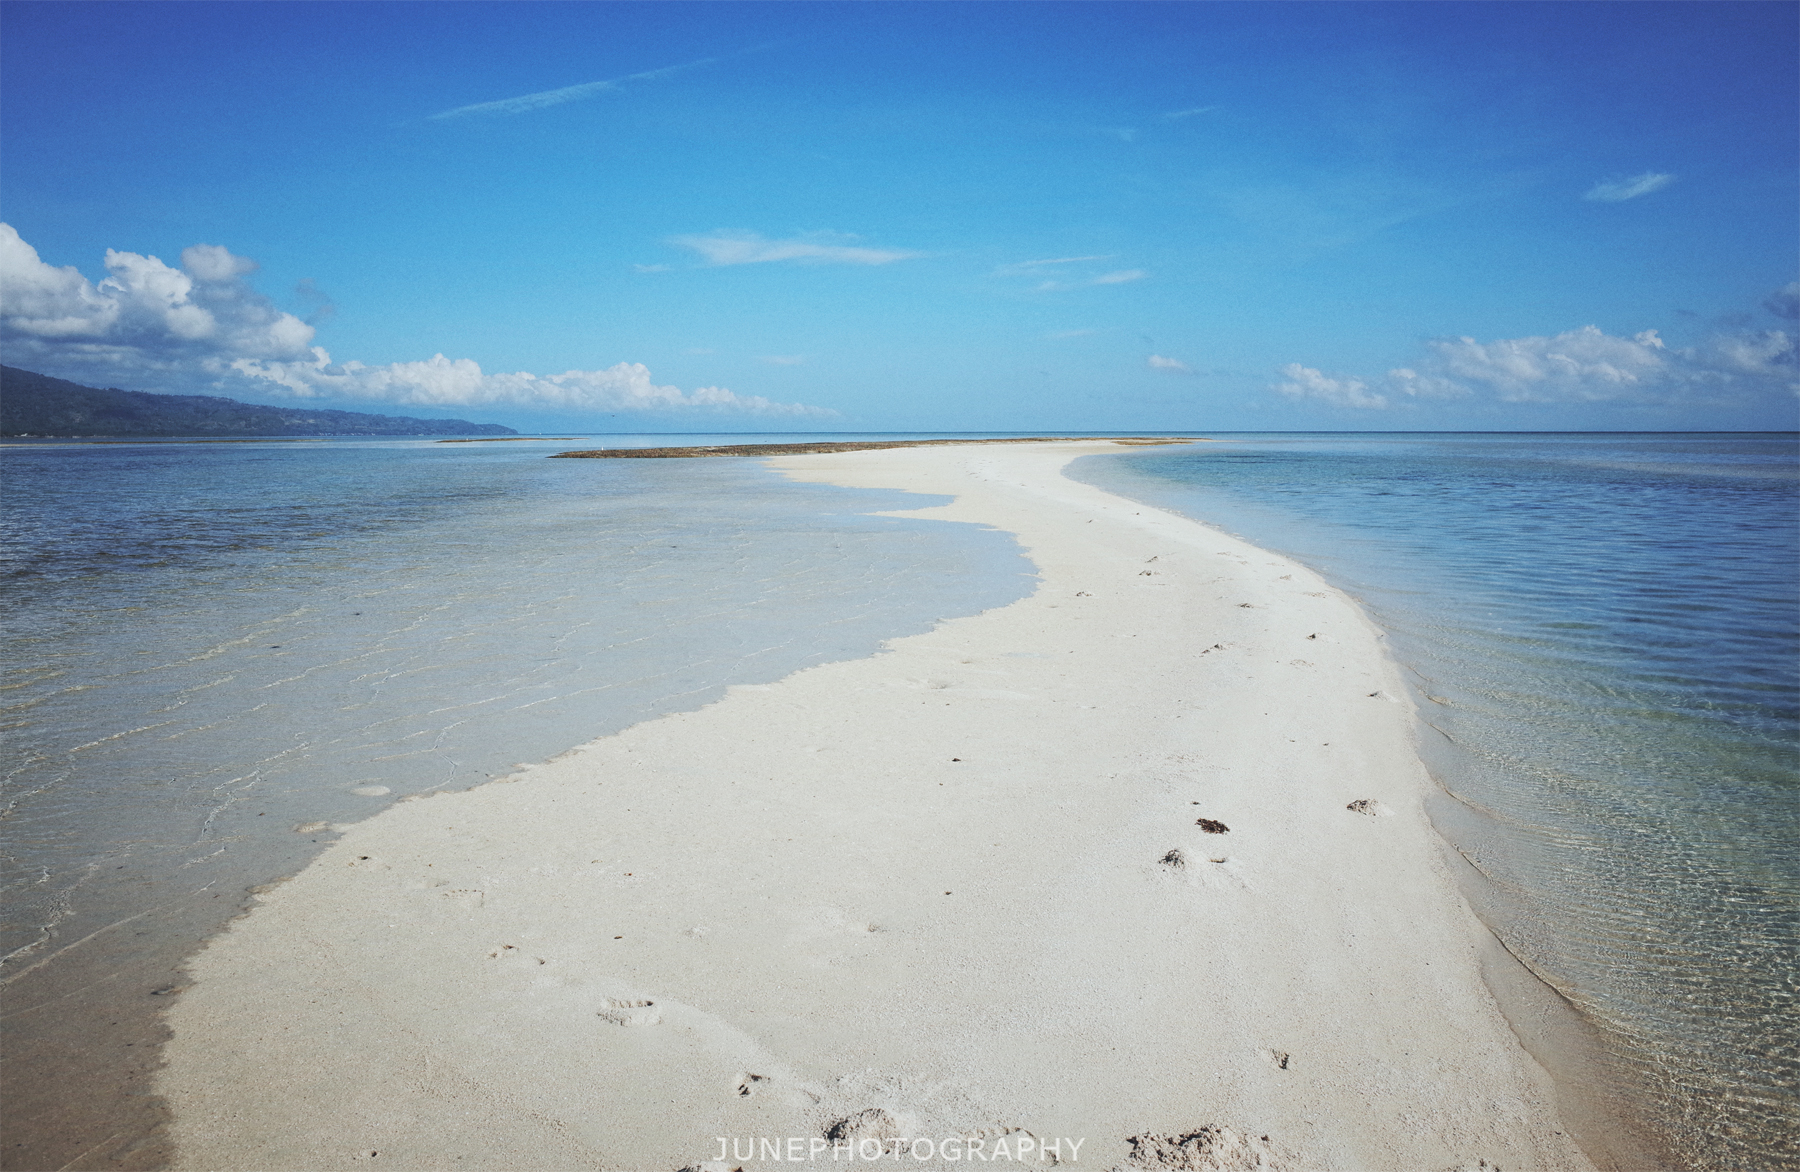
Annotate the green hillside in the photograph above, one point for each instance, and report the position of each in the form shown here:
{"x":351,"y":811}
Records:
{"x":37,"y":405}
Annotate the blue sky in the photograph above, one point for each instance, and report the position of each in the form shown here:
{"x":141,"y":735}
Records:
{"x":1014,"y":216}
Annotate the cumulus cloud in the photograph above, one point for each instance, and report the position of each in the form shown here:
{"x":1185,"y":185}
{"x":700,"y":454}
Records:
{"x":445,"y":382}
{"x":1304,"y":382}
{"x":748,"y":248}
{"x":569,"y":93}
{"x":1171,"y":365}
{"x":1620,"y":190}
{"x":1586,"y":365}
{"x":203,"y":328}
{"x":143,"y":308}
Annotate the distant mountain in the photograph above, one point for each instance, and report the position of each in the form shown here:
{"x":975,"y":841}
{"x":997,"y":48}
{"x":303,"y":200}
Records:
{"x":38,"y":405}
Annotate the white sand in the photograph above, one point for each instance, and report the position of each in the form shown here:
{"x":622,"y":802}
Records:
{"x":796,"y":906}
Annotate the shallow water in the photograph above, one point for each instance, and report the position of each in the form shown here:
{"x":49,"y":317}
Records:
{"x":216,"y":653}
{"x":1603,"y":630}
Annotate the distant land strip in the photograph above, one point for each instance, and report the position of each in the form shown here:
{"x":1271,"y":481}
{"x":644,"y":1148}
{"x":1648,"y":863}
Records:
{"x":38,"y":406}
{"x":850,"y":446}
{"x":512,"y":439}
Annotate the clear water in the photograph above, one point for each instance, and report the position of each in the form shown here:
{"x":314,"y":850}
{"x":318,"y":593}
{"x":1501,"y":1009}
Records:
{"x":1603,"y":629}
{"x":214,"y":653}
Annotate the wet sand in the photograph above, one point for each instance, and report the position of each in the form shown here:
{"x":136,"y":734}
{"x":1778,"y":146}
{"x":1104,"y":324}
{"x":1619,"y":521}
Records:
{"x":1137,"y":866}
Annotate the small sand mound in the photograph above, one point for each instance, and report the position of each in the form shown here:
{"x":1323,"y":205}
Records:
{"x":1209,"y":1149}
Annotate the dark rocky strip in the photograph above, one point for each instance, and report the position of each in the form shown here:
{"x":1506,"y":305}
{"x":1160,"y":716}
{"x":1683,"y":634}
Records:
{"x":846,"y":446}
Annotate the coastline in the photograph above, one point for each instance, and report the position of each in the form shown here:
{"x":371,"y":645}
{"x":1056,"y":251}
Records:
{"x":957,"y":888}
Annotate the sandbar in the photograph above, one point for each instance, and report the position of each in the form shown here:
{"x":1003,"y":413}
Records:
{"x":1135,"y":868}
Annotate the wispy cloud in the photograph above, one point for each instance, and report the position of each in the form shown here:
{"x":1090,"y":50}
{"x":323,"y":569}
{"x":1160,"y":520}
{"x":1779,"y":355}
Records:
{"x":1620,"y":190}
{"x":649,"y":268}
{"x":1030,"y":267}
{"x":1171,"y":365}
{"x":1177,"y":115}
{"x":571,"y":93}
{"x":785,"y":359}
{"x":1072,"y":334}
{"x":748,"y":248}
{"x":1052,"y":280}
{"x":1785,"y":301}
{"x":204,"y":328}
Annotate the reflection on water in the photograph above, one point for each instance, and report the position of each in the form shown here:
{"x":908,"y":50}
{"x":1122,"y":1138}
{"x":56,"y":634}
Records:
{"x":1604,"y":629}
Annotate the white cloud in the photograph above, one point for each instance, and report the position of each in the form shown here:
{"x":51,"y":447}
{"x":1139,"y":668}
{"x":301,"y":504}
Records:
{"x":1026,"y":268}
{"x":1306,"y":383}
{"x":444,"y":382}
{"x":1620,"y":190}
{"x":571,"y":93}
{"x":1053,"y":284}
{"x":1586,"y":365}
{"x":785,"y":359}
{"x":650,"y":268}
{"x":1072,"y":334}
{"x":143,"y":306}
{"x":1579,"y":365}
{"x":1176,"y":115}
{"x":1172,"y":365}
{"x":746,"y":248}
{"x":203,"y":328}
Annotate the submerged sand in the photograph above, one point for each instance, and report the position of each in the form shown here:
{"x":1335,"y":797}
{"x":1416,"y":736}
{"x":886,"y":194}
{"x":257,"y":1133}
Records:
{"x":965,"y":889}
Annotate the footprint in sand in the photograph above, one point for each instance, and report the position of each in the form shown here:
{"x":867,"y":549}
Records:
{"x":623,"y":1012}
{"x":468,"y":898}
{"x":873,"y":1123}
{"x":747,"y":1085}
{"x":1370,"y":807}
{"x":1279,"y":1059}
{"x":513,"y":952}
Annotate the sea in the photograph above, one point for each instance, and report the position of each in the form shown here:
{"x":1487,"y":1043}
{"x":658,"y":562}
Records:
{"x":1602,"y":632}
{"x":217,"y":655}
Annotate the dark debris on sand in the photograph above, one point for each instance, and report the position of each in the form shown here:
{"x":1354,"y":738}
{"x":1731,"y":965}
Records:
{"x":844,"y":446}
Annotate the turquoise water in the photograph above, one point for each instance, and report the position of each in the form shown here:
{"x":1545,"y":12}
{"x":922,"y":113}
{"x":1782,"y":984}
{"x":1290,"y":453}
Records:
{"x":1602,"y":634}
{"x":210,"y":649}
{"x":214,"y":654}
